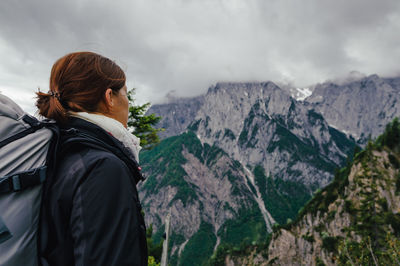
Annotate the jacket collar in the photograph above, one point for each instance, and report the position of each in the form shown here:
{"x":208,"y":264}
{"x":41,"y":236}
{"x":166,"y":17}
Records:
{"x":79,"y":131}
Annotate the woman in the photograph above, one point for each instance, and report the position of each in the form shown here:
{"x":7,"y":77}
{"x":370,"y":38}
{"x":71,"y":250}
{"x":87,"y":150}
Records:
{"x":91,"y":213}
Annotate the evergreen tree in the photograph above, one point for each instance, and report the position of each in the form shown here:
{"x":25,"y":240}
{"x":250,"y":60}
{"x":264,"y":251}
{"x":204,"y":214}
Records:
{"x":391,"y":136}
{"x":141,"y":125}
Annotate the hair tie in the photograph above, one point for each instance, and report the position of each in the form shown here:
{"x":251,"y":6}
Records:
{"x":54,"y":94}
{"x":57,"y":95}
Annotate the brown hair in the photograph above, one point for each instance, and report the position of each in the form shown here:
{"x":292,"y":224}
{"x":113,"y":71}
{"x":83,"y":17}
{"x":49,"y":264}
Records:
{"x":78,"y":82}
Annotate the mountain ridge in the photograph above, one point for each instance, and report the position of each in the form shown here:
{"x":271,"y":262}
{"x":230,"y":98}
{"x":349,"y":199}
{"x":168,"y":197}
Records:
{"x":346,"y":124}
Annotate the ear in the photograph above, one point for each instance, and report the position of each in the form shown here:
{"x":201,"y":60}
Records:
{"x":108,"y":97}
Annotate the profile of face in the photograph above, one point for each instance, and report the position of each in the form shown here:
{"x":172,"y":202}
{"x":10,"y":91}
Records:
{"x":118,"y":105}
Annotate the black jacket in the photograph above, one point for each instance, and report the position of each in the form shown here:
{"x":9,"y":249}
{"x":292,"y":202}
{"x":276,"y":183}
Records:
{"x":91,"y":211}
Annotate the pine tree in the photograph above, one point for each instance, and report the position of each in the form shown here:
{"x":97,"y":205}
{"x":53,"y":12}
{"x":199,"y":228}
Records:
{"x":142,"y":125}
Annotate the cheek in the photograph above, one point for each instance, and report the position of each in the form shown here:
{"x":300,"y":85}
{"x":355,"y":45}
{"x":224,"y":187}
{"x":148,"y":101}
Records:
{"x":126,"y":107}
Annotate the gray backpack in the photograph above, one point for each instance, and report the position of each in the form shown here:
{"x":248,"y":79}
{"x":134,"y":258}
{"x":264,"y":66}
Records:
{"x":27,"y":151}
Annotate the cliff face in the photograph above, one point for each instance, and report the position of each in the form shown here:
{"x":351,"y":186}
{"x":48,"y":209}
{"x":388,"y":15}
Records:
{"x":260,"y":124}
{"x":360,"y":108}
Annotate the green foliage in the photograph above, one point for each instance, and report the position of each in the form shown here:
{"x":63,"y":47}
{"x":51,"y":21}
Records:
{"x":398,"y":183}
{"x":166,"y":160}
{"x":151,"y":261}
{"x":300,"y":151}
{"x":329,"y":194}
{"x":154,"y":248}
{"x":229,"y":134}
{"x":244,"y":249}
{"x":250,"y":127}
{"x":314,"y":117}
{"x":210,"y":154}
{"x":158,"y":236}
{"x":391,"y":136}
{"x":348,"y":207}
{"x":218,"y":258}
{"x":309,"y":238}
{"x":383,"y":203}
{"x":363,"y":253}
{"x":163,"y":164}
{"x":319,"y":262}
{"x":243,"y":136}
{"x":200,"y":246}
{"x":369,"y":219}
{"x":342,"y":142}
{"x":394,"y":221}
{"x":194,"y":126}
{"x":235,"y":189}
{"x":331,"y":216}
{"x":247,"y":226}
{"x":173,"y":260}
{"x":252,"y":188}
{"x":322,"y":198}
{"x":141,"y":125}
{"x":393,"y":160}
{"x":174,"y":240}
{"x":282,"y":198}
{"x":330,"y":243}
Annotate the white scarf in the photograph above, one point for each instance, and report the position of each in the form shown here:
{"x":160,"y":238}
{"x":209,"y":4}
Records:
{"x":115,"y":128}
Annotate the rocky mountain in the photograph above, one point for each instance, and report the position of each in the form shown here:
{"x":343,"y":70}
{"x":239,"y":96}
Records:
{"x":251,"y":156}
{"x":221,"y":113}
{"x":260,"y":124}
{"x":360,"y":108}
{"x":355,"y":220}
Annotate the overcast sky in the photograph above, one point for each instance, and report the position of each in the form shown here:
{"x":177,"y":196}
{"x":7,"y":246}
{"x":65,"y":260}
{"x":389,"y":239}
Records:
{"x":185,"y":46}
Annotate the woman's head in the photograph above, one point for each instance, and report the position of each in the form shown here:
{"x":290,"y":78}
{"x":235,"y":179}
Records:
{"x":83,"y":82}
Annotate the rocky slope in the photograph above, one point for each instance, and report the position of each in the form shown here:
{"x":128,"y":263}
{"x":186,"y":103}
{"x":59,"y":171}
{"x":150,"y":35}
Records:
{"x":209,"y":196}
{"x":360,"y":108}
{"x":355,"y":220}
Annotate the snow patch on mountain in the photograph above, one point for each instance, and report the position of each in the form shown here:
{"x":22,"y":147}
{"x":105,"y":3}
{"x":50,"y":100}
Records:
{"x":301,"y":94}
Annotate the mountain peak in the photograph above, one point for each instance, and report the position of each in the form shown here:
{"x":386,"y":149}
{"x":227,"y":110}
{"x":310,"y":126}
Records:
{"x":373,"y":77}
{"x":240,"y":86}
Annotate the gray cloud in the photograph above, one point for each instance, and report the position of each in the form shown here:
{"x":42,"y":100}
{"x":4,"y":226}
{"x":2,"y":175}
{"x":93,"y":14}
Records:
{"x":188,"y":45}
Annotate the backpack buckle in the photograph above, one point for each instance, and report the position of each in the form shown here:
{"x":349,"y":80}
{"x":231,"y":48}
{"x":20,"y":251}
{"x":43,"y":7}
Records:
{"x":16,"y":183}
{"x":10,"y":183}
